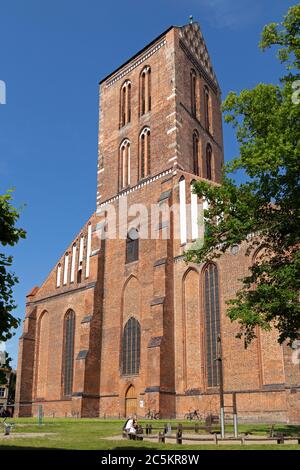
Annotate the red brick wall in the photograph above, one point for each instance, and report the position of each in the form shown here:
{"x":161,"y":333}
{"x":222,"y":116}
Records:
{"x":160,"y":290}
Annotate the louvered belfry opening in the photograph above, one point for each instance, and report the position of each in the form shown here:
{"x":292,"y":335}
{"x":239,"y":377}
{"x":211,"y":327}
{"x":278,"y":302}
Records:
{"x":209,"y":162}
{"x":131,"y":347}
{"x":196,"y":153}
{"x":212,"y":323}
{"x":132,"y":246}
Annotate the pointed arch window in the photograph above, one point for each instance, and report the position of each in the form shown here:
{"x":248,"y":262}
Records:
{"x":68,"y":353}
{"x":193,"y":93}
{"x":145,"y":90}
{"x":208,"y":162}
{"x":145,"y":152}
{"x":131,"y":347}
{"x":212,"y":322}
{"x":124,"y":164}
{"x":207,"y":108}
{"x":196,"y":153}
{"x":125,"y":104}
{"x":132,"y":246}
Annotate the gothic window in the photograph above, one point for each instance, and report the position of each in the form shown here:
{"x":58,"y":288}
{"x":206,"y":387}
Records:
{"x":131,"y":347}
{"x":207,"y":108}
{"x":145,"y":152}
{"x":212,"y":322}
{"x":132,"y":246}
{"x":208,"y":162}
{"x":125,"y":104}
{"x":68,"y":353}
{"x":124,"y":164}
{"x":196,"y":153}
{"x":193,"y":93}
{"x":145,"y":90}
{"x":43,"y":338}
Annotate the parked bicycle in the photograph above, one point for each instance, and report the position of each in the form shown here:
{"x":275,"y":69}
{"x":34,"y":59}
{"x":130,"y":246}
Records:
{"x":152,"y":414}
{"x":193,"y":416}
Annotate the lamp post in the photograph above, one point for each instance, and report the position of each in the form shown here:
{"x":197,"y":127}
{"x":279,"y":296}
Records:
{"x":221,"y":385}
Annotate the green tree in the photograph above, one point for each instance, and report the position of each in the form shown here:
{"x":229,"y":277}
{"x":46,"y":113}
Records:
{"x":9,"y":236}
{"x":6,"y":367}
{"x":266,"y":205}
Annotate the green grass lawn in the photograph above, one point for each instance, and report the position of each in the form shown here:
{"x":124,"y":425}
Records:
{"x":88,"y":434}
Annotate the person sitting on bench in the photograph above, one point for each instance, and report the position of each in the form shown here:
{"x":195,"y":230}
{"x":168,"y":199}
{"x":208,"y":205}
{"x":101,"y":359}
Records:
{"x":130,"y":428}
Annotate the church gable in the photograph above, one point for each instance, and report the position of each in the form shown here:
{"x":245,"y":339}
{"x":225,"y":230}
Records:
{"x":73,"y":268}
{"x":192,"y":37}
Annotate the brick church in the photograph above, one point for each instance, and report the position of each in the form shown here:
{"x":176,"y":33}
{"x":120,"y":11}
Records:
{"x":123,"y":324}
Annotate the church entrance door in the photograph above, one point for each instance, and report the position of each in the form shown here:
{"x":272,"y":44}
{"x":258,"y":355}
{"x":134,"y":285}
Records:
{"x":130,"y":402}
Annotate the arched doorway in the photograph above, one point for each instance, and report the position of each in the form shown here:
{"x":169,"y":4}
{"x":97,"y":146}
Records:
{"x":130,"y":402}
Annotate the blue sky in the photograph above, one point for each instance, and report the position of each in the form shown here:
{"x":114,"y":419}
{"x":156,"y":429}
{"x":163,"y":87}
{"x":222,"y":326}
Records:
{"x":52,"y":55}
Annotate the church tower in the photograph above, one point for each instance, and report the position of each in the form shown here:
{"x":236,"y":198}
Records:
{"x":123,"y":324}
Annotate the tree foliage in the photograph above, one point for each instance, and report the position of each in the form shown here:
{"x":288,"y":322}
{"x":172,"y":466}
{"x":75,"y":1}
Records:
{"x":9,"y":236}
{"x":4,"y":369}
{"x":264,"y":210}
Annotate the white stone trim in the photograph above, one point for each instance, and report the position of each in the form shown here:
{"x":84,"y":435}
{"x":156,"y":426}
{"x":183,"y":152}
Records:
{"x":135,"y":188}
{"x":171,"y":96}
{"x":73,"y":263}
{"x":66,"y":268}
{"x":80,"y":259}
{"x":173,"y":129}
{"x":135,"y":64}
{"x":58,"y":275}
{"x":194,"y":214}
{"x":88,"y":250}
{"x":171,"y":114}
{"x":182,"y":206}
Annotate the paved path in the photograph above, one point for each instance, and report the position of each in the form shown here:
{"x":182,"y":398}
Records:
{"x":20,"y":435}
{"x":207,"y":439}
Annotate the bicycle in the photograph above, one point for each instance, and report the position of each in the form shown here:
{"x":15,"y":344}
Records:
{"x":152,"y":414}
{"x":193,"y":416}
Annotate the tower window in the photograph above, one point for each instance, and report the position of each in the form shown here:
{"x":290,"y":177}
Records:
{"x":145,"y":152}
{"x":193,"y":93}
{"x":212,"y":323}
{"x":131,"y":347}
{"x":196,"y":153}
{"x":125,"y":104}
{"x":132,"y":246}
{"x":145,"y":90}
{"x":124,"y":176}
{"x":207,"y":109}
{"x":68,"y":353}
{"x":208,"y":162}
